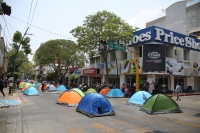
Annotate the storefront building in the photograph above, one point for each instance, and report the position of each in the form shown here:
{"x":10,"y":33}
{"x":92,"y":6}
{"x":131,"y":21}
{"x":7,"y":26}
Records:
{"x":169,"y":50}
{"x":91,"y":76}
{"x":168,"y":57}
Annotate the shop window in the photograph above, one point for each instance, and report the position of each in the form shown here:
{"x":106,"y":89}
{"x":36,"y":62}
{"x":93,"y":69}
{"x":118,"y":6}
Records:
{"x":186,"y":54}
{"x":169,"y":51}
{"x":123,"y":55}
{"x":112,"y":56}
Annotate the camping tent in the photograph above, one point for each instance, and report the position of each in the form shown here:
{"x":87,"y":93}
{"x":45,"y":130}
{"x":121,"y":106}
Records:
{"x":79,"y":92}
{"x":61,"y":88}
{"x":104,"y":91}
{"x":90,"y":90}
{"x":25,"y":87}
{"x":31,"y":91}
{"x":139,"y":98}
{"x":36,"y":85}
{"x":94,"y":104}
{"x":160,"y":104}
{"x":39,"y":87}
{"x":115,"y":92}
{"x":71,"y":98}
{"x":45,"y":87}
{"x":51,"y":89}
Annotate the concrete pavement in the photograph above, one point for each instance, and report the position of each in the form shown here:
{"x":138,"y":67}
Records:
{"x":10,"y":118}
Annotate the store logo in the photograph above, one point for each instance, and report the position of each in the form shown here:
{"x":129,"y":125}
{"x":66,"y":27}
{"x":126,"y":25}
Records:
{"x":154,"y":55}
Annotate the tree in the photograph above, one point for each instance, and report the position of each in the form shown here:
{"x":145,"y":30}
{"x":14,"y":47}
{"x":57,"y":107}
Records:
{"x":20,"y":60}
{"x":74,"y":77}
{"x":62,"y":54}
{"x":101,"y":26}
{"x":21,"y":56}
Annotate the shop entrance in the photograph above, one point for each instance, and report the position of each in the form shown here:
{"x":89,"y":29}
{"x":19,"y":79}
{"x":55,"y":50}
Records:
{"x":180,"y":81}
{"x":162,"y":82}
{"x":131,"y":80}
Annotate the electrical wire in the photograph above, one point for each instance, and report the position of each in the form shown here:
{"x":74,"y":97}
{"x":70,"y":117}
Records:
{"x":33,"y":15}
{"x":41,"y":28}
{"x":11,"y":25}
{"x":29,"y":14}
{"x":5,"y":35}
{"x":7,"y":27}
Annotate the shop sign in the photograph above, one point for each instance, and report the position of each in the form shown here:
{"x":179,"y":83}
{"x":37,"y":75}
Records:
{"x":164,"y":36}
{"x":154,"y":57}
{"x":174,"y":67}
{"x":195,"y":69}
{"x":112,"y":68}
{"x":129,"y":66}
{"x":77,"y":72}
{"x":90,"y":72}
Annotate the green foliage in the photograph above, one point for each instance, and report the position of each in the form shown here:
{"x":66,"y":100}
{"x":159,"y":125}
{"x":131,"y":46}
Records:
{"x":17,"y":37}
{"x":61,"y":54}
{"x":17,"y":40}
{"x":101,"y":26}
{"x":20,"y":61}
{"x":74,"y":76}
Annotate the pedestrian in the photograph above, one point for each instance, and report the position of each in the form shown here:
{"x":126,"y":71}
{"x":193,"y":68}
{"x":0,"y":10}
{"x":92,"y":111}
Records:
{"x":123,"y":88}
{"x":6,"y":83}
{"x":178,"y":90}
{"x":1,"y":87}
{"x":42,"y":86}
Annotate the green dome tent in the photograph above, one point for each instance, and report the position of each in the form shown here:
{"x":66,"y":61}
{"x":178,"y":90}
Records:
{"x":79,"y":92}
{"x":90,"y":90}
{"x":160,"y":104}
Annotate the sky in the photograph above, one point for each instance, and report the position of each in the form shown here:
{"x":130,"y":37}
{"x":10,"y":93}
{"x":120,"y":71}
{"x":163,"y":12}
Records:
{"x":48,"y":19}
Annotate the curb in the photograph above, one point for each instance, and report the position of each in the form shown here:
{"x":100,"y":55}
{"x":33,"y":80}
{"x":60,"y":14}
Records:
{"x":22,"y":100}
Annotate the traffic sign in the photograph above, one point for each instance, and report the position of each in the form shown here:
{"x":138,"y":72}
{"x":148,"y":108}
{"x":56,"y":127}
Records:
{"x":116,"y":46}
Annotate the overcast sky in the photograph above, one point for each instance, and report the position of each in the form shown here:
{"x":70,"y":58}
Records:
{"x":50,"y":19}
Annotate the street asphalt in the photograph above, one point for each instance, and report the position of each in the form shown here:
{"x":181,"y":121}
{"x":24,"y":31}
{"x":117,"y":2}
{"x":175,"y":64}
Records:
{"x":41,"y":114}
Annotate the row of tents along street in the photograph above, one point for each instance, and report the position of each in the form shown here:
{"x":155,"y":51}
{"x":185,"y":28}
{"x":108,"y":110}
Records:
{"x":92,"y":104}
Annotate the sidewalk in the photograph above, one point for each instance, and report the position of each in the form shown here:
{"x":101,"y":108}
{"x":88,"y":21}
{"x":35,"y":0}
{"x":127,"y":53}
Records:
{"x":10,"y":118}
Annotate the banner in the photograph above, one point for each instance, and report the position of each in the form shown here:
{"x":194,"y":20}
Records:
{"x":195,"y":69}
{"x":129,"y":66}
{"x":112,"y":69}
{"x":90,"y":72}
{"x":154,"y":57}
{"x":174,"y":67}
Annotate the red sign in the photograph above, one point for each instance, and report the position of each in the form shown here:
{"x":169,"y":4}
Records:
{"x":90,"y":72}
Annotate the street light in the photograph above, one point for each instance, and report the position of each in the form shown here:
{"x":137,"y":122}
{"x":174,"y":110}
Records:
{"x":15,"y":60}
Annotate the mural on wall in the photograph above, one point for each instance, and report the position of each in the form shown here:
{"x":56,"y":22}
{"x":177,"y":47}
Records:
{"x":112,"y":69}
{"x":129,"y":66}
{"x":195,"y":69}
{"x":174,"y":67}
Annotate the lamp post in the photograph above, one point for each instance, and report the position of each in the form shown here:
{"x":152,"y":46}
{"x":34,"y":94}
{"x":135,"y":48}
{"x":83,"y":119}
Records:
{"x":15,"y":60}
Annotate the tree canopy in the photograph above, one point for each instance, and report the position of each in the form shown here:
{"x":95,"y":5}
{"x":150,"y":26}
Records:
{"x":18,"y":52}
{"x":105,"y":26}
{"x":62,"y":54}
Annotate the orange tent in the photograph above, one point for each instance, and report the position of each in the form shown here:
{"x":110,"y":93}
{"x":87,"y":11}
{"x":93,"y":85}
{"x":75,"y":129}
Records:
{"x":45,"y":87}
{"x":25,"y":87}
{"x":21,"y":83}
{"x":104,"y":91}
{"x":71,"y":98}
{"x":39,"y":87}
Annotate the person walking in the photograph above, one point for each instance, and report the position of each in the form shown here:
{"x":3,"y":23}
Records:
{"x":1,"y":87}
{"x":178,"y":90}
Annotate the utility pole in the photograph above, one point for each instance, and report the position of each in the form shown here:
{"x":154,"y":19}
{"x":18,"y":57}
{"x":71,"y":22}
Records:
{"x":15,"y":60}
{"x":137,"y":67}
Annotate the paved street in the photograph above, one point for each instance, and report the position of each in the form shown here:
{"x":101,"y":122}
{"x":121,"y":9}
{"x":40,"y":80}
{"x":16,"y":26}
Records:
{"x":41,"y":114}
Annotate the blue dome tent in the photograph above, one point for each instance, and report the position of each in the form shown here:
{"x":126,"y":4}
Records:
{"x":61,"y":88}
{"x":94,"y":104}
{"x":31,"y":91}
{"x":139,"y":98}
{"x":115,"y":92}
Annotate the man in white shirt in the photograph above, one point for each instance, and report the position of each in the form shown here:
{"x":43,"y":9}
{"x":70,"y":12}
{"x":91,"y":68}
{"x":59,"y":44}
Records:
{"x":178,"y":90}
